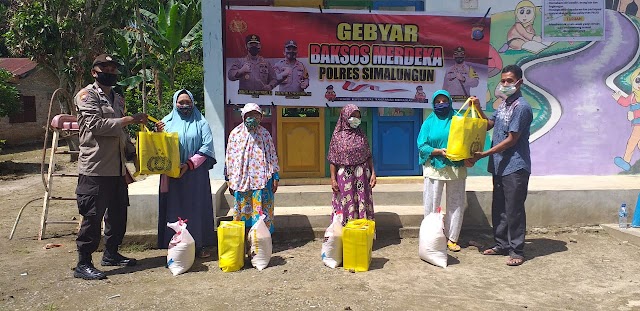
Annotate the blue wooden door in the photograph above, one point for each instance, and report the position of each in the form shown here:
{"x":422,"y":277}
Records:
{"x":395,"y":131}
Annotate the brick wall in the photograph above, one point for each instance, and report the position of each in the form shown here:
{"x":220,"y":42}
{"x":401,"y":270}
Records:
{"x":41,"y":84}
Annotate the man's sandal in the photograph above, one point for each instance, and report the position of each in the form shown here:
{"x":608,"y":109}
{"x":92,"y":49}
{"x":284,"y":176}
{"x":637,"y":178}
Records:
{"x":493,"y":251}
{"x":453,"y":246}
{"x":515,"y":261}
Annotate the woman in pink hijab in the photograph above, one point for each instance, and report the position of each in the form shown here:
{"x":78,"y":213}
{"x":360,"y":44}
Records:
{"x":351,"y":164}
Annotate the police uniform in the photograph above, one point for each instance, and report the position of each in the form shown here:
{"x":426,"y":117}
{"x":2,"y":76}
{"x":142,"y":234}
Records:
{"x":104,"y":148}
{"x":260,"y":78}
{"x":293,"y":82}
{"x":298,"y":78}
{"x":470,"y":78}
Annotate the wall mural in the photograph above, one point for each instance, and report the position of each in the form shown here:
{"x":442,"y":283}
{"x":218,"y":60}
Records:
{"x":585,"y":95}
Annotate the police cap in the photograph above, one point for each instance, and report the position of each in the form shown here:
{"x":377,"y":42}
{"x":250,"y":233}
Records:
{"x":290,"y":43}
{"x":105,"y":59}
{"x":253,"y":38}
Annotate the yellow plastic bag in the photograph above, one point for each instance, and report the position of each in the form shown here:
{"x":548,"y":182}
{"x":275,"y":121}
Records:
{"x":158,"y":153}
{"x":467,"y":133}
{"x":357,"y":244}
{"x":231,"y":245}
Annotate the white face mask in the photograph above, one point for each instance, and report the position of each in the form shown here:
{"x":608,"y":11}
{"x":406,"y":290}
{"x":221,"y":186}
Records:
{"x":354,"y":122}
{"x":508,"y":90}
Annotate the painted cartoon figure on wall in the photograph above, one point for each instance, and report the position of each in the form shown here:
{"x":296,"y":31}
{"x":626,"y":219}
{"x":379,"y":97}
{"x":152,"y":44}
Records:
{"x":522,"y":35}
{"x":330,"y":95}
{"x":633,"y":115}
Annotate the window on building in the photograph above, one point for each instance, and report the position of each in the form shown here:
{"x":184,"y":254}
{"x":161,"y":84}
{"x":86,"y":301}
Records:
{"x":28,"y":113}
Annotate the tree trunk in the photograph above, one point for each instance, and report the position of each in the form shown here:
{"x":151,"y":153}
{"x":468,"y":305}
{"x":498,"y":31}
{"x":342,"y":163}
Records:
{"x":158,"y":87}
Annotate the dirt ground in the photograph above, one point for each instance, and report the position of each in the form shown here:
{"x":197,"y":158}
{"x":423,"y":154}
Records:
{"x":566,"y":269}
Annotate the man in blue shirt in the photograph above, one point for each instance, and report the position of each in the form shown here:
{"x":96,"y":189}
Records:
{"x":510,"y":165}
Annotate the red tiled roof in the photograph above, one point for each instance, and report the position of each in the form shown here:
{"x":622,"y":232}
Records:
{"x":17,"y":66}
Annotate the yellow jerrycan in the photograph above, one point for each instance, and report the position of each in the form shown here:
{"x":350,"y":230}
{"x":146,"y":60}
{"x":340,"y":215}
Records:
{"x":357,"y":244}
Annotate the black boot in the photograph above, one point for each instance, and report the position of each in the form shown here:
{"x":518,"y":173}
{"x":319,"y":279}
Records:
{"x":113,"y":258}
{"x":86,"y":270}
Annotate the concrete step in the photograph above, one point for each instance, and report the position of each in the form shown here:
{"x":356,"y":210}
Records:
{"x":552,"y":201}
{"x":310,"y":222}
{"x":319,"y":217}
{"x":630,"y":235}
{"x":319,"y":195}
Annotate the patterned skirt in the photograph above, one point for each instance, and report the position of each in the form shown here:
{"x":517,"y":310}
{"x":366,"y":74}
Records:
{"x":250,"y":205}
{"x":355,"y":199}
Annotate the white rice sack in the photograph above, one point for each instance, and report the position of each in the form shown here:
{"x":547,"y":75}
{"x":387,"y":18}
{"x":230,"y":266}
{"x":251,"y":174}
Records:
{"x":432,"y":246}
{"x":261,"y":247}
{"x":331,"y":253}
{"x":182,"y":248}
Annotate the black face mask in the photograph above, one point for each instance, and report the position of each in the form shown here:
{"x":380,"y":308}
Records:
{"x":292,"y":55}
{"x":108,"y":79}
{"x":442,"y":109}
{"x":254,"y":50}
{"x":459,"y":60}
{"x":185,"y":110}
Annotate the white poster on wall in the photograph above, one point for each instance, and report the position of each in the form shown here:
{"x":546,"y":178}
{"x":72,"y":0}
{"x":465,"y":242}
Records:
{"x":573,"y":20}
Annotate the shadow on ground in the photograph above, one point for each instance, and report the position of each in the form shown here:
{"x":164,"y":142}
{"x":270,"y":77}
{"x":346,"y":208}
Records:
{"x":146,"y":263}
{"x":540,"y":247}
{"x":10,"y":170}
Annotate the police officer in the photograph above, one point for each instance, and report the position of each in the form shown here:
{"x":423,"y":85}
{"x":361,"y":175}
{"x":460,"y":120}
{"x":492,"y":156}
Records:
{"x":104,"y":148}
{"x":460,"y":77}
{"x":420,"y":96}
{"x":254,"y":72}
{"x":291,"y":74}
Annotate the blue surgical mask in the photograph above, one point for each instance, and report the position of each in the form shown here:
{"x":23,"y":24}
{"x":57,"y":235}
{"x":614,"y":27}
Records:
{"x":507,"y":90}
{"x":441,"y":109}
{"x":251,"y":123}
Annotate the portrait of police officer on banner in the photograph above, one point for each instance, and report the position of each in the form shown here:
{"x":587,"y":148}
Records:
{"x":460,"y":77}
{"x":291,"y":74}
{"x":254,"y":72}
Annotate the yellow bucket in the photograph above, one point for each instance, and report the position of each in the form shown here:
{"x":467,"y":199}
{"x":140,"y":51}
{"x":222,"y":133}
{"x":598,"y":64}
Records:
{"x":357,"y":244}
{"x":231,"y":245}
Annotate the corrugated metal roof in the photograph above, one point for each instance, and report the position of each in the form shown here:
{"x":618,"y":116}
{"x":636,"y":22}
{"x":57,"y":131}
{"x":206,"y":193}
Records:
{"x":17,"y":66}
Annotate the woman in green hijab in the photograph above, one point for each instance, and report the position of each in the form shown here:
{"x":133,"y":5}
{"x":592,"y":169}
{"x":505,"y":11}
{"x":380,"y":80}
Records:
{"x":439,"y":171}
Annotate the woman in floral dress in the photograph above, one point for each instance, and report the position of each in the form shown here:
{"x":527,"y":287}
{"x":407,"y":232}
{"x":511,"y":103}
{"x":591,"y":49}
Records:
{"x":352,"y":174}
{"x":252,"y":169}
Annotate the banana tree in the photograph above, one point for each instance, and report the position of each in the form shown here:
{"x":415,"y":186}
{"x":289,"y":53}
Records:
{"x":171,"y":35}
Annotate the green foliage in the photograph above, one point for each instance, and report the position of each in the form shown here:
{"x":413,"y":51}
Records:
{"x":65,"y":35}
{"x":4,"y":27}
{"x":9,"y":95}
{"x":172,"y":35}
{"x":190,"y":76}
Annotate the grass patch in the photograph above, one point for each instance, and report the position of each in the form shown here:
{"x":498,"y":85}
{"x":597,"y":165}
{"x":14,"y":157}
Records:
{"x":50,"y":307}
{"x":135,"y":247}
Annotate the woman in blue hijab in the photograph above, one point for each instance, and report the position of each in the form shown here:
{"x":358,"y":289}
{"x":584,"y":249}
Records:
{"x":189,"y":195}
{"x":439,"y":171}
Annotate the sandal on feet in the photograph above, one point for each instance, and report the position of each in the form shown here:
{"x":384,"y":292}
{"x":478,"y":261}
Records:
{"x":493,"y":251}
{"x":203,"y":253}
{"x":453,"y":246}
{"x":515,"y":261}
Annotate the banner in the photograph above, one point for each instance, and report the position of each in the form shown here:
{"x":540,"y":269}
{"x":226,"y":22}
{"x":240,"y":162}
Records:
{"x":299,"y":57}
